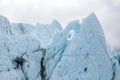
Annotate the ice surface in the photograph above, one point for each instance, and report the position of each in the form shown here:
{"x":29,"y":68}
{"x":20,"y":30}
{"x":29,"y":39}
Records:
{"x":46,"y":31}
{"x":85,"y":56}
{"x":47,"y":52}
{"x":22,"y":28}
{"x":5,"y":27}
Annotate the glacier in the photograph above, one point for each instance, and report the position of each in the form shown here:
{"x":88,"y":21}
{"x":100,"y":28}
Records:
{"x":49,"y":52}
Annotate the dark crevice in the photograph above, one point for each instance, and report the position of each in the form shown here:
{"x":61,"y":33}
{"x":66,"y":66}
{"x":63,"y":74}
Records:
{"x":10,"y":30}
{"x":113,"y":68}
{"x":43,"y":62}
{"x":85,"y":69}
{"x":38,"y":49}
{"x":19,"y":62}
{"x":42,"y":65}
{"x":24,"y":73}
{"x":118,"y":58}
{"x":42,"y":72}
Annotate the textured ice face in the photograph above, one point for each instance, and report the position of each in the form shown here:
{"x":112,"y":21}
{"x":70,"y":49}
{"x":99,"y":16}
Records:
{"x":46,"y":52}
{"x":5,"y":27}
{"x":22,"y":28}
{"x":85,"y":55}
{"x":19,"y":58}
{"x":45,"y":32}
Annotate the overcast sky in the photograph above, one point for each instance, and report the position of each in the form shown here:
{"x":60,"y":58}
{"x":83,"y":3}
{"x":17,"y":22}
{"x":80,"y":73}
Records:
{"x":44,"y":11}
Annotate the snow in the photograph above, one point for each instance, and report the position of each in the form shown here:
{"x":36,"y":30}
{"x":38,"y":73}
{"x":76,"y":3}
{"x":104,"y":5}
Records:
{"x":47,"y":52}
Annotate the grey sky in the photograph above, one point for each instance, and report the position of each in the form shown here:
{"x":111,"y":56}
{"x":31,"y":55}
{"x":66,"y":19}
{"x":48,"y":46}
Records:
{"x":44,"y":11}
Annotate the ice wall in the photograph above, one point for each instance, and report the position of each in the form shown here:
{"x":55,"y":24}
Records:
{"x":47,"y":52}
